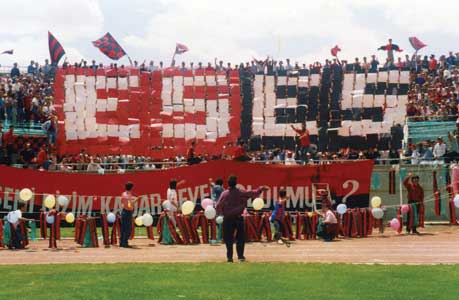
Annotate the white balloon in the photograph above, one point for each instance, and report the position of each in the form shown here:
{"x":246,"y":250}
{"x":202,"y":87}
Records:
{"x":101,"y":171}
{"x":219,"y":220}
{"x":341,"y":208}
{"x":62,"y":200}
{"x":167,"y":205}
{"x":456,"y":200}
{"x":49,"y":219}
{"x":378,"y":213}
{"x":210,"y":212}
{"x":147,"y":220}
{"x":111,"y":218}
{"x":12,"y":217}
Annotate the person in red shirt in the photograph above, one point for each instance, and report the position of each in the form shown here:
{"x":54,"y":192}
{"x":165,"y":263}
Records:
{"x":415,"y":195}
{"x":433,"y":64}
{"x":42,"y":157}
{"x":240,"y":153}
{"x":190,"y":156}
{"x":127,"y":204}
{"x":304,"y":140}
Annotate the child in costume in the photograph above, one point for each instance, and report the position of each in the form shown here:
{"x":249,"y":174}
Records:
{"x":277,"y":217}
{"x":216,"y":189}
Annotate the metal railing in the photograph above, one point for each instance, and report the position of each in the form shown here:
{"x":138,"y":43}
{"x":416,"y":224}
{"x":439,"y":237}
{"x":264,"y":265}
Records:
{"x":7,"y":69}
{"x":435,"y":118}
{"x":129,"y":167}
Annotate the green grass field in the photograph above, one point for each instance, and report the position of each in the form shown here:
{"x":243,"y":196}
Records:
{"x":69,"y":232}
{"x":229,"y":281}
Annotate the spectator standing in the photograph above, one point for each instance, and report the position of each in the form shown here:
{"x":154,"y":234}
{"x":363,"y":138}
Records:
{"x":374,"y":64}
{"x":31,"y":68}
{"x":15,"y":71}
{"x":304,"y":139}
{"x":50,"y":127}
{"x":415,"y":195}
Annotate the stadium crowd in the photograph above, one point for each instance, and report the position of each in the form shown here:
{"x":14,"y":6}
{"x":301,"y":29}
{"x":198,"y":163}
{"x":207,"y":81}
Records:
{"x":26,"y":100}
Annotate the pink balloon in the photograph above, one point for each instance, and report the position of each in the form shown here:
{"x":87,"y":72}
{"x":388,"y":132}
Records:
{"x":405,"y":208}
{"x":394,"y":224}
{"x":206,"y":202}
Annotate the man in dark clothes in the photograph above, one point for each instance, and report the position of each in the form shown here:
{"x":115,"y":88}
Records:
{"x":231,"y":204}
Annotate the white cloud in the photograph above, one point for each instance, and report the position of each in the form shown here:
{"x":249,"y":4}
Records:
{"x":70,"y":21}
{"x":215,"y":29}
{"x":232,"y":31}
{"x":417,"y":17}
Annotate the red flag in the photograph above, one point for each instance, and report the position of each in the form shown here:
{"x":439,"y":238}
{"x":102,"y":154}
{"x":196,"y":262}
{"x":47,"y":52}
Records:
{"x":416,"y":43}
{"x":334,"y":51}
{"x":180,"y":48}
{"x":56,"y":51}
{"x":109,"y":46}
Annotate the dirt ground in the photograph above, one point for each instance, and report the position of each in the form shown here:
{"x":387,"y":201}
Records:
{"x":437,"y":244}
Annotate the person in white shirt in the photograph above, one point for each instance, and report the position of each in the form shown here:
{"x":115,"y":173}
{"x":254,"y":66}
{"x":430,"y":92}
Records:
{"x":329,"y":224}
{"x":173,"y":199}
{"x":415,"y":155}
{"x":19,"y":235}
{"x":289,"y":159}
{"x":439,"y":149}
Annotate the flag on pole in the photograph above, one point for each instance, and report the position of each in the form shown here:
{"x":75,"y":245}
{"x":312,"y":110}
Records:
{"x":10,"y":52}
{"x":334,"y":51}
{"x":180,"y":48}
{"x":55,"y":49}
{"x":416,"y":43}
{"x":109,"y":46}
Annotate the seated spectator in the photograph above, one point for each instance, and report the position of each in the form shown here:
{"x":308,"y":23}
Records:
{"x":240,"y":154}
{"x":27,"y":155}
{"x":439,"y":149}
{"x":289,"y":159}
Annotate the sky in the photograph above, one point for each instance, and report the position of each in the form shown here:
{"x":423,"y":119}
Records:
{"x":233,"y":31}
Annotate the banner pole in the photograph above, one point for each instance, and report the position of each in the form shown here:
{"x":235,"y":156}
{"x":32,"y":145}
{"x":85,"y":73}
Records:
{"x":173,"y":59}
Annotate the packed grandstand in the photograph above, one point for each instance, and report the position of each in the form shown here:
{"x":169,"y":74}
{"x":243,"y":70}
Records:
{"x":114,"y":118}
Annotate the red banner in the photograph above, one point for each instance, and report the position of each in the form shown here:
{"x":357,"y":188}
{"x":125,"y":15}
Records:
{"x":347,"y":182}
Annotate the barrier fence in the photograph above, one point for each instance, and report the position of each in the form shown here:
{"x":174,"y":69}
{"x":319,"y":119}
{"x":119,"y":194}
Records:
{"x":391,"y":191}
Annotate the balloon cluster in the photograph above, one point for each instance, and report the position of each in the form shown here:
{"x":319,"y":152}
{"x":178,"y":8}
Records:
{"x":50,"y":202}
{"x":376,"y":210}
